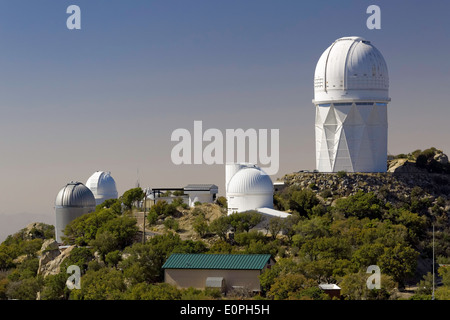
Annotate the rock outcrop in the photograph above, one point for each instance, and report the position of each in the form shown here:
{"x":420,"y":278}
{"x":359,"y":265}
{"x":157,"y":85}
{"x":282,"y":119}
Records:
{"x":51,"y":257}
{"x":392,"y":185}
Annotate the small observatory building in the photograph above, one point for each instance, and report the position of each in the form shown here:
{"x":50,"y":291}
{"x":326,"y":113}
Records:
{"x":351,"y":93}
{"x":103,"y":186}
{"x":248,"y":187}
{"x":72,"y":201}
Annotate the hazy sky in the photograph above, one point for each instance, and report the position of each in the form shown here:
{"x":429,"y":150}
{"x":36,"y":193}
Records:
{"x":108,"y":96}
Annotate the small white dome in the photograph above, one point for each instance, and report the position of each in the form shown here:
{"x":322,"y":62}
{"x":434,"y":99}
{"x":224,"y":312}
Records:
{"x":103,"y":186}
{"x":351,"y":68}
{"x":250,"y":180}
{"x":75,"y":194}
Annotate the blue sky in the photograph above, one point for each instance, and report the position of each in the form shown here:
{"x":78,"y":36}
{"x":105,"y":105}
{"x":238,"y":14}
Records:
{"x":108,"y":96}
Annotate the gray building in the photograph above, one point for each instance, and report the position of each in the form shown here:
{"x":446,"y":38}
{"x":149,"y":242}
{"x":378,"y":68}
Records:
{"x":72,"y":201}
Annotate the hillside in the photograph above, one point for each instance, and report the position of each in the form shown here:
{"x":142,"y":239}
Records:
{"x":340,"y":224}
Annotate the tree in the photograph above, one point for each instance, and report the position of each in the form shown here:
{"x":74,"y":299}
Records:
{"x":354,"y":287}
{"x":159,"y":291}
{"x":131,"y":196}
{"x":289,"y":286}
{"x":80,"y":256}
{"x":283,"y":267}
{"x":399,"y":262}
{"x":414,"y":223}
{"x":113,"y":258}
{"x":163,"y":209}
{"x":244,"y":221}
{"x":425,"y":286}
{"x":25,"y":289}
{"x":326,"y":247}
{"x":360,"y":205}
{"x":221,"y":246}
{"x":55,"y":287}
{"x":104,"y":243}
{"x":104,"y":284}
{"x":123,"y":228}
{"x":244,"y":238}
{"x":367,"y":254}
{"x":303,"y":201}
{"x":276,"y":224}
{"x":312,"y":228}
{"x":83,"y":229}
{"x":200,"y":225}
{"x":144,"y":261}
{"x":220,"y":226}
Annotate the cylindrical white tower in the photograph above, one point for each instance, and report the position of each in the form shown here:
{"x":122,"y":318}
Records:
{"x":351,"y":93}
{"x":72,"y":201}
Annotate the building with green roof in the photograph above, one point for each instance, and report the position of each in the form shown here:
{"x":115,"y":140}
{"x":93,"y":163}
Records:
{"x":223,"y":271}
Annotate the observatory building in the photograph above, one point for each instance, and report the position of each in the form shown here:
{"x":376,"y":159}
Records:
{"x":248,"y":187}
{"x":102,"y":186}
{"x":351,"y":93}
{"x":72,"y":201}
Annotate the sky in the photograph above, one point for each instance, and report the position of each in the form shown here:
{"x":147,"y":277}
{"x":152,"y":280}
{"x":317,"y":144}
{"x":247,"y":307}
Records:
{"x":108,"y":96}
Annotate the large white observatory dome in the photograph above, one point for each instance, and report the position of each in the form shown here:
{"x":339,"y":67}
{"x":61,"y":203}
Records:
{"x":351,"y":67}
{"x":248,"y":187}
{"x":72,"y":201}
{"x":103,"y":186}
{"x":351,"y":93}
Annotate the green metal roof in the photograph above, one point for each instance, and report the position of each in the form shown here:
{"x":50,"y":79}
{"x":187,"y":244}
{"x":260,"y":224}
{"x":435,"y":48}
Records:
{"x":217,"y":261}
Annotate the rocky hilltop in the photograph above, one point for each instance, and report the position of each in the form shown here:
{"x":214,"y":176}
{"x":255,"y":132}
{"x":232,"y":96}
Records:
{"x":395,"y":185}
{"x":427,"y":170}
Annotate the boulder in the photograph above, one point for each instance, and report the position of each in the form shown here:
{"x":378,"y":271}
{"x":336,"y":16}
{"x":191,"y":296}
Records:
{"x":50,"y":261}
{"x":49,"y":245}
{"x":403,"y":166}
{"x":441,"y":158}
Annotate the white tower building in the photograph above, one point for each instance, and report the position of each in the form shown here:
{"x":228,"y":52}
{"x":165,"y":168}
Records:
{"x":351,"y":93}
{"x":103,"y":186}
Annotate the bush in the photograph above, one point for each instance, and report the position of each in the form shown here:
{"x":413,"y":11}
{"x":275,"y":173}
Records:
{"x":163,"y":209}
{"x":303,"y":201}
{"x":360,"y":205}
{"x":244,"y":238}
{"x":200,"y":225}
{"x":171,"y":223}
{"x":326,"y":193}
{"x":341,"y":174}
{"x":222,"y":202}
{"x":244,"y":221}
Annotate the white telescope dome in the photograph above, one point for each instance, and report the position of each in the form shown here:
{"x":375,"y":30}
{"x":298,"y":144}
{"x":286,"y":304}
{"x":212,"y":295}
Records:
{"x":351,"y":68}
{"x":248,"y":187}
{"x":250,"y":181}
{"x":103,"y":186}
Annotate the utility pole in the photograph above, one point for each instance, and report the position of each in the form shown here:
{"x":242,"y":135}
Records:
{"x":145,"y":207}
{"x":432,"y":295}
